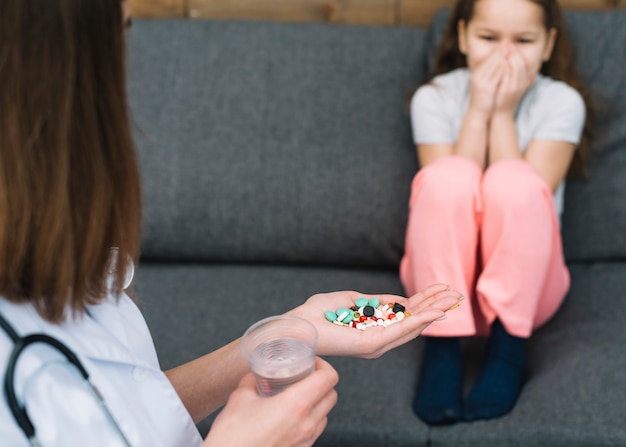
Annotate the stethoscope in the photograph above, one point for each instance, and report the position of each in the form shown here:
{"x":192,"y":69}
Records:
{"x":19,"y":411}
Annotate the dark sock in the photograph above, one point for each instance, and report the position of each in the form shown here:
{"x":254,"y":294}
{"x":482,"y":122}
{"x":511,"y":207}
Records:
{"x":438,"y":398}
{"x":501,"y":378}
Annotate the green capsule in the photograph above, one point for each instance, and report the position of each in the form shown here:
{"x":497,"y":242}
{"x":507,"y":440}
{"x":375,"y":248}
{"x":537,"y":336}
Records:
{"x":374,"y":302}
{"x":342,"y":310}
{"x":360,"y":302}
{"x":330,"y":315}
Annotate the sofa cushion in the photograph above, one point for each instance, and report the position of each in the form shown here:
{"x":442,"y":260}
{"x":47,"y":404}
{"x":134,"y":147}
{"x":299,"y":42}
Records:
{"x":573,"y":396}
{"x":274,"y":142}
{"x":594,"y":219}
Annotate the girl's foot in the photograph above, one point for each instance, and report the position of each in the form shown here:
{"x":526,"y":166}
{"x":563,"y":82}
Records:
{"x":438,"y":398}
{"x":500,"y":381}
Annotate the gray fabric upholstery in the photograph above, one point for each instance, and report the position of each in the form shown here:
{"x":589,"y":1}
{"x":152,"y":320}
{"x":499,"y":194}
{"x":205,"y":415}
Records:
{"x":594,"y":226}
{"x":276,"y":163}
{"x":260,"y":142}
{"x":573,"y":397}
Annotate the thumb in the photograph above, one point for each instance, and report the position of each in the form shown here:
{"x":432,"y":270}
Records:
{"x":248,"y":382}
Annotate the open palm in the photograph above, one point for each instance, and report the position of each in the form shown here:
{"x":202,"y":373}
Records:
{"x":425,"y":307}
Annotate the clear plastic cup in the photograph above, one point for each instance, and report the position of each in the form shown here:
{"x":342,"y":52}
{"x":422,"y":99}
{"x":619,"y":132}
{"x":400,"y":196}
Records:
{"x":281,"y":351}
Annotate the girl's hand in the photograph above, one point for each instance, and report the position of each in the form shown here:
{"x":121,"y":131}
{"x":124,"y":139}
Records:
{"x":426,"y":306}
{"x":516,"y":80}
{"x":484,"y":83}
{"x":295,"y":417}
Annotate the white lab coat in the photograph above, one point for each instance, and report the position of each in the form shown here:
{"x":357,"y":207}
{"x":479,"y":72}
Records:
{"x":114,"y":345}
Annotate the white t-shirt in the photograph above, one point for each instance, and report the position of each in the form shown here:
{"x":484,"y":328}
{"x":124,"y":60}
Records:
{"x":549,"y":110}
{"x":113,"y":343}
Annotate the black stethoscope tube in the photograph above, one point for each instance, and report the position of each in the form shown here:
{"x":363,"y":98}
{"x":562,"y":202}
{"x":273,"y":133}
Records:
{"x":20,"y":344}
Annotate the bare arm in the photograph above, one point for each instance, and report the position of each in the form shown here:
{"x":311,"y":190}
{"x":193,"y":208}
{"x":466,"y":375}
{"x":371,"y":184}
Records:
{"x":551,"y":159}
{"x":427,"y":153}
{"x":473,"y":141}
{"x":205,"y":384}
{"x":503,"y":138}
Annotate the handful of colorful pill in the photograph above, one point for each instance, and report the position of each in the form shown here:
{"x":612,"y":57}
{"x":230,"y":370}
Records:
{"x":367,"y":313}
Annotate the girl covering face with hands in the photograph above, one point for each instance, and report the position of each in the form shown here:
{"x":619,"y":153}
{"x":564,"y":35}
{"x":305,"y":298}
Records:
{"x":496,"y":129}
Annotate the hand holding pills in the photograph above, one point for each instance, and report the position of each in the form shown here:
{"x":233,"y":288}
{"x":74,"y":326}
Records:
{"x":426,"y":306}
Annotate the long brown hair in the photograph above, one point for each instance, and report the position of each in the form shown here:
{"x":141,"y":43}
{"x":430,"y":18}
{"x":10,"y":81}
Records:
{"x":69,"y":178}
{"x":560,"y":66}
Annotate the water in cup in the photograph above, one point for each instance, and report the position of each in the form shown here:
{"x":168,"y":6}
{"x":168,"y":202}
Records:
{"x":281,"y":363}
{"x":281,"y":351}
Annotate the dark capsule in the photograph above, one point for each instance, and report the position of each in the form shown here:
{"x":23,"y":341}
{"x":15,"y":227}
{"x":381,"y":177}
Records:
{"x":368,"y":311}
{"x":398,"y":308}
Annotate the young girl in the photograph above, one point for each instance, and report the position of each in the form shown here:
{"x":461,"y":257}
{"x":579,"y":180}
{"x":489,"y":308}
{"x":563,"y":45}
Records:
{"x":496,"y":131}
{"x":69,"y":191}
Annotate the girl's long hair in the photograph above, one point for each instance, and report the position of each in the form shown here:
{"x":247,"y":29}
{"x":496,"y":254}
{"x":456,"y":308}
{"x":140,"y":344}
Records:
{"x":69,"y":177}
{"x":560,"y":66}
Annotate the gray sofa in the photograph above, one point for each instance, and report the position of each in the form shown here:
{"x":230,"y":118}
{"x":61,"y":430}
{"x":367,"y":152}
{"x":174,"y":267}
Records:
{"x":276,"y":162}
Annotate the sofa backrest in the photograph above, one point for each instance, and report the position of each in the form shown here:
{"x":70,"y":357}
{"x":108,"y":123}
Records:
{"x":594,"y":226}
{"x":274,"y":142}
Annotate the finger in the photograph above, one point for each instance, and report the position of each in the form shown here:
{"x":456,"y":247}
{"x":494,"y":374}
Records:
{"x":413,"y":326}
{"x":319,"y":413}
{"x":448,"y":301}
{"x":490,"y":63}
{"x":318,"y":417}
{"x":442,"y":300}
{"x":495,"y":68}
{"x":318,"y":384}
{"x":512,"y":72}
{"x":246,"y":391}
{"x":524,"y":74}
{"x":431,"y":290}
{"x":405,"y":331}
{"x":420,"y":296}
{"x":321,"y":410}
{"x":331,"y":373}
{"x":317,"y":432}
{"x":492,"y":69}
{"x":421,"y":300}
{"x":499,"y":73}
{"x":504,"y":87}
{"x":248,"y":383}
{"x":320,"y":429}
{"x":517,"y":60}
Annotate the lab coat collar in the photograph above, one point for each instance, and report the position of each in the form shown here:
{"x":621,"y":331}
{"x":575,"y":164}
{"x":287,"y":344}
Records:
{"x":99,"y":333}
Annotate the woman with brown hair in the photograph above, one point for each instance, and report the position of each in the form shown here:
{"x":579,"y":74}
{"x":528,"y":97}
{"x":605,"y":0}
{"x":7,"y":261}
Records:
{"x":69,"y":193}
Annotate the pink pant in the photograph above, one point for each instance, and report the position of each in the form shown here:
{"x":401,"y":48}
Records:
{"x":493,"y":236}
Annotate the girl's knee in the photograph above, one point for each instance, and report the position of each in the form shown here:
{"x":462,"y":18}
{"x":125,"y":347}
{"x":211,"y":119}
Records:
{"x":448,"y":180}
{"x":513,"y":183}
